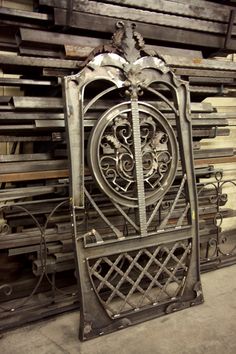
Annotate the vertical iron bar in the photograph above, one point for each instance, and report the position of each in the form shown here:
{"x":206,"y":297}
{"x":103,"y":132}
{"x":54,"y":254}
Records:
{"x":138,"y":165}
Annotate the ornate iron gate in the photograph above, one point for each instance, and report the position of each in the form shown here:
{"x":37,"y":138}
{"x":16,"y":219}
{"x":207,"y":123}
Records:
{"x":133,"y":194}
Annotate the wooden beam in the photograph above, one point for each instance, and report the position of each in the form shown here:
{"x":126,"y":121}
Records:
{"x":57,"y":39}
{"x":30,"y":176}
{"x":105,"y":24}
{"x":12,"y":60}
{"x":200,"y":10}
{"x":151,"y":17}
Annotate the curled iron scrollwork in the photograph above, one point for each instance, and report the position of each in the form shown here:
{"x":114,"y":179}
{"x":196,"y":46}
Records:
{"x":112,"y":151}
{"x":6,"y":288}
{"x":44,"y":274}
{"x":216,"y":245}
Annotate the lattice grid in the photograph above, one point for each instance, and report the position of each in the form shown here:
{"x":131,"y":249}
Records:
{"x":135,"y":279}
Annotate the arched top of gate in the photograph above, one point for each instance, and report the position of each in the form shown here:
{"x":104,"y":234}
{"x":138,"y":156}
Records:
{"x":126,"y":61}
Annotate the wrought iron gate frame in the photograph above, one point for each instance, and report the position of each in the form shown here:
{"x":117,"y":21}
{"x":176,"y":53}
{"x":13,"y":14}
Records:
{"x":130,"y":66}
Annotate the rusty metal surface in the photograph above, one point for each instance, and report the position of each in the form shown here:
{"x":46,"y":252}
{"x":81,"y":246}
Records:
{"x":33,"y":123}
{"x":148,"y":266}
{"x":220,"y":245}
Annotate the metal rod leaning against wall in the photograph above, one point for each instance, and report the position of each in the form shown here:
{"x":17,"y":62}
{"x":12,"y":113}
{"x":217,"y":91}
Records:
{"x":148,"y":264}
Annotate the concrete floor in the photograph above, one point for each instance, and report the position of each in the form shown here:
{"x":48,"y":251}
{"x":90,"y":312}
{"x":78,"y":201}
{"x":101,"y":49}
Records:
{"x":206,"y":329}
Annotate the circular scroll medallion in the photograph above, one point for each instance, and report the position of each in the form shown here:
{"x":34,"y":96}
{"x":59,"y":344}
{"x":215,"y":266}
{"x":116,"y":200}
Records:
{"x":111,"y":154}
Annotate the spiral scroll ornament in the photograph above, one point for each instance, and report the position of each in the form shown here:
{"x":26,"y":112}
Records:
{"x":111,"y":154}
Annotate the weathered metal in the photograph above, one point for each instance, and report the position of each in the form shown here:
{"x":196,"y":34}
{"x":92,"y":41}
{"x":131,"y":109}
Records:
{"x":219,"y":245}
{"x":149,"y":266}
{"x":32,"y":123}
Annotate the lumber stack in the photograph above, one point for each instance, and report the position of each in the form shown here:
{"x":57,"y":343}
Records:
{"x":52,"y":39}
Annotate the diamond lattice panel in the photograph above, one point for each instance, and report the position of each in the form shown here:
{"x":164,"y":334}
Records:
{"x":132,"y":280}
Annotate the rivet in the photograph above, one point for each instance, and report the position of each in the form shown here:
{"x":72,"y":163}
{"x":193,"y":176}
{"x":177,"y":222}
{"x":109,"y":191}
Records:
{"x":117,"y":315}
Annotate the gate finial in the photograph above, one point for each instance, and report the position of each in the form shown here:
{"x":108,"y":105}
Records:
{"x":127,"y":41}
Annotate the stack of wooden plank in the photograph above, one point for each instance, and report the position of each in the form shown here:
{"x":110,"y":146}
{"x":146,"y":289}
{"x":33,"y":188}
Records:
{"x":197,"y":23}
{"x":39,"y":46}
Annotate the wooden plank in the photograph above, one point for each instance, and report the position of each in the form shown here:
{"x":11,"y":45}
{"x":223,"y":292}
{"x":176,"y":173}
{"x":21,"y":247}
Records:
{"x":5,"y":99}
{"x":149,"y":31}
{"x":25,"y":157}
{"x":211,"y":80}
{"x":20,"y":102}
{"x":14,"y":193}
{"x":24,"y":14}
{"x":24,"y":61}
{"x":204,"y":73}
{"x":73,"y":51}
{"x":216,"y":153}
{"x":55,"y":174}
{"x":30,"y":238}
{"x":31,"y":176}
{"x":50,"y":123}
{"x":7,"y":81}
{"x":209,"y":90}
{"x":23,"y":250}
{"x":223,"y":101}
{"x":214,"y":4}
{"x":219,"y":160}
{"x":30,"y":116}
{"x":58,"y":39}
{"x":55,"y":72}
{"x":91,"y":121}
{"x":8,"y":47}
{"x":57,"y":119}
{"x":26,"y":102}
{"x":210,"y":115}
{"x":199,"y":63}
{"x":150,"y":17}
{"x":192,"y":5}
{"x":198,"y":154}
{"x":10,"y":139}
{"x":209,"y":133}
{"x":16,"y":127}
{"x":197,"y":10}
{"x":52,"y":174}
{"x":7,"y":34}
{"x":32,"y":166}
{"x":16,"y":24}
{"x":38,"y":52}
